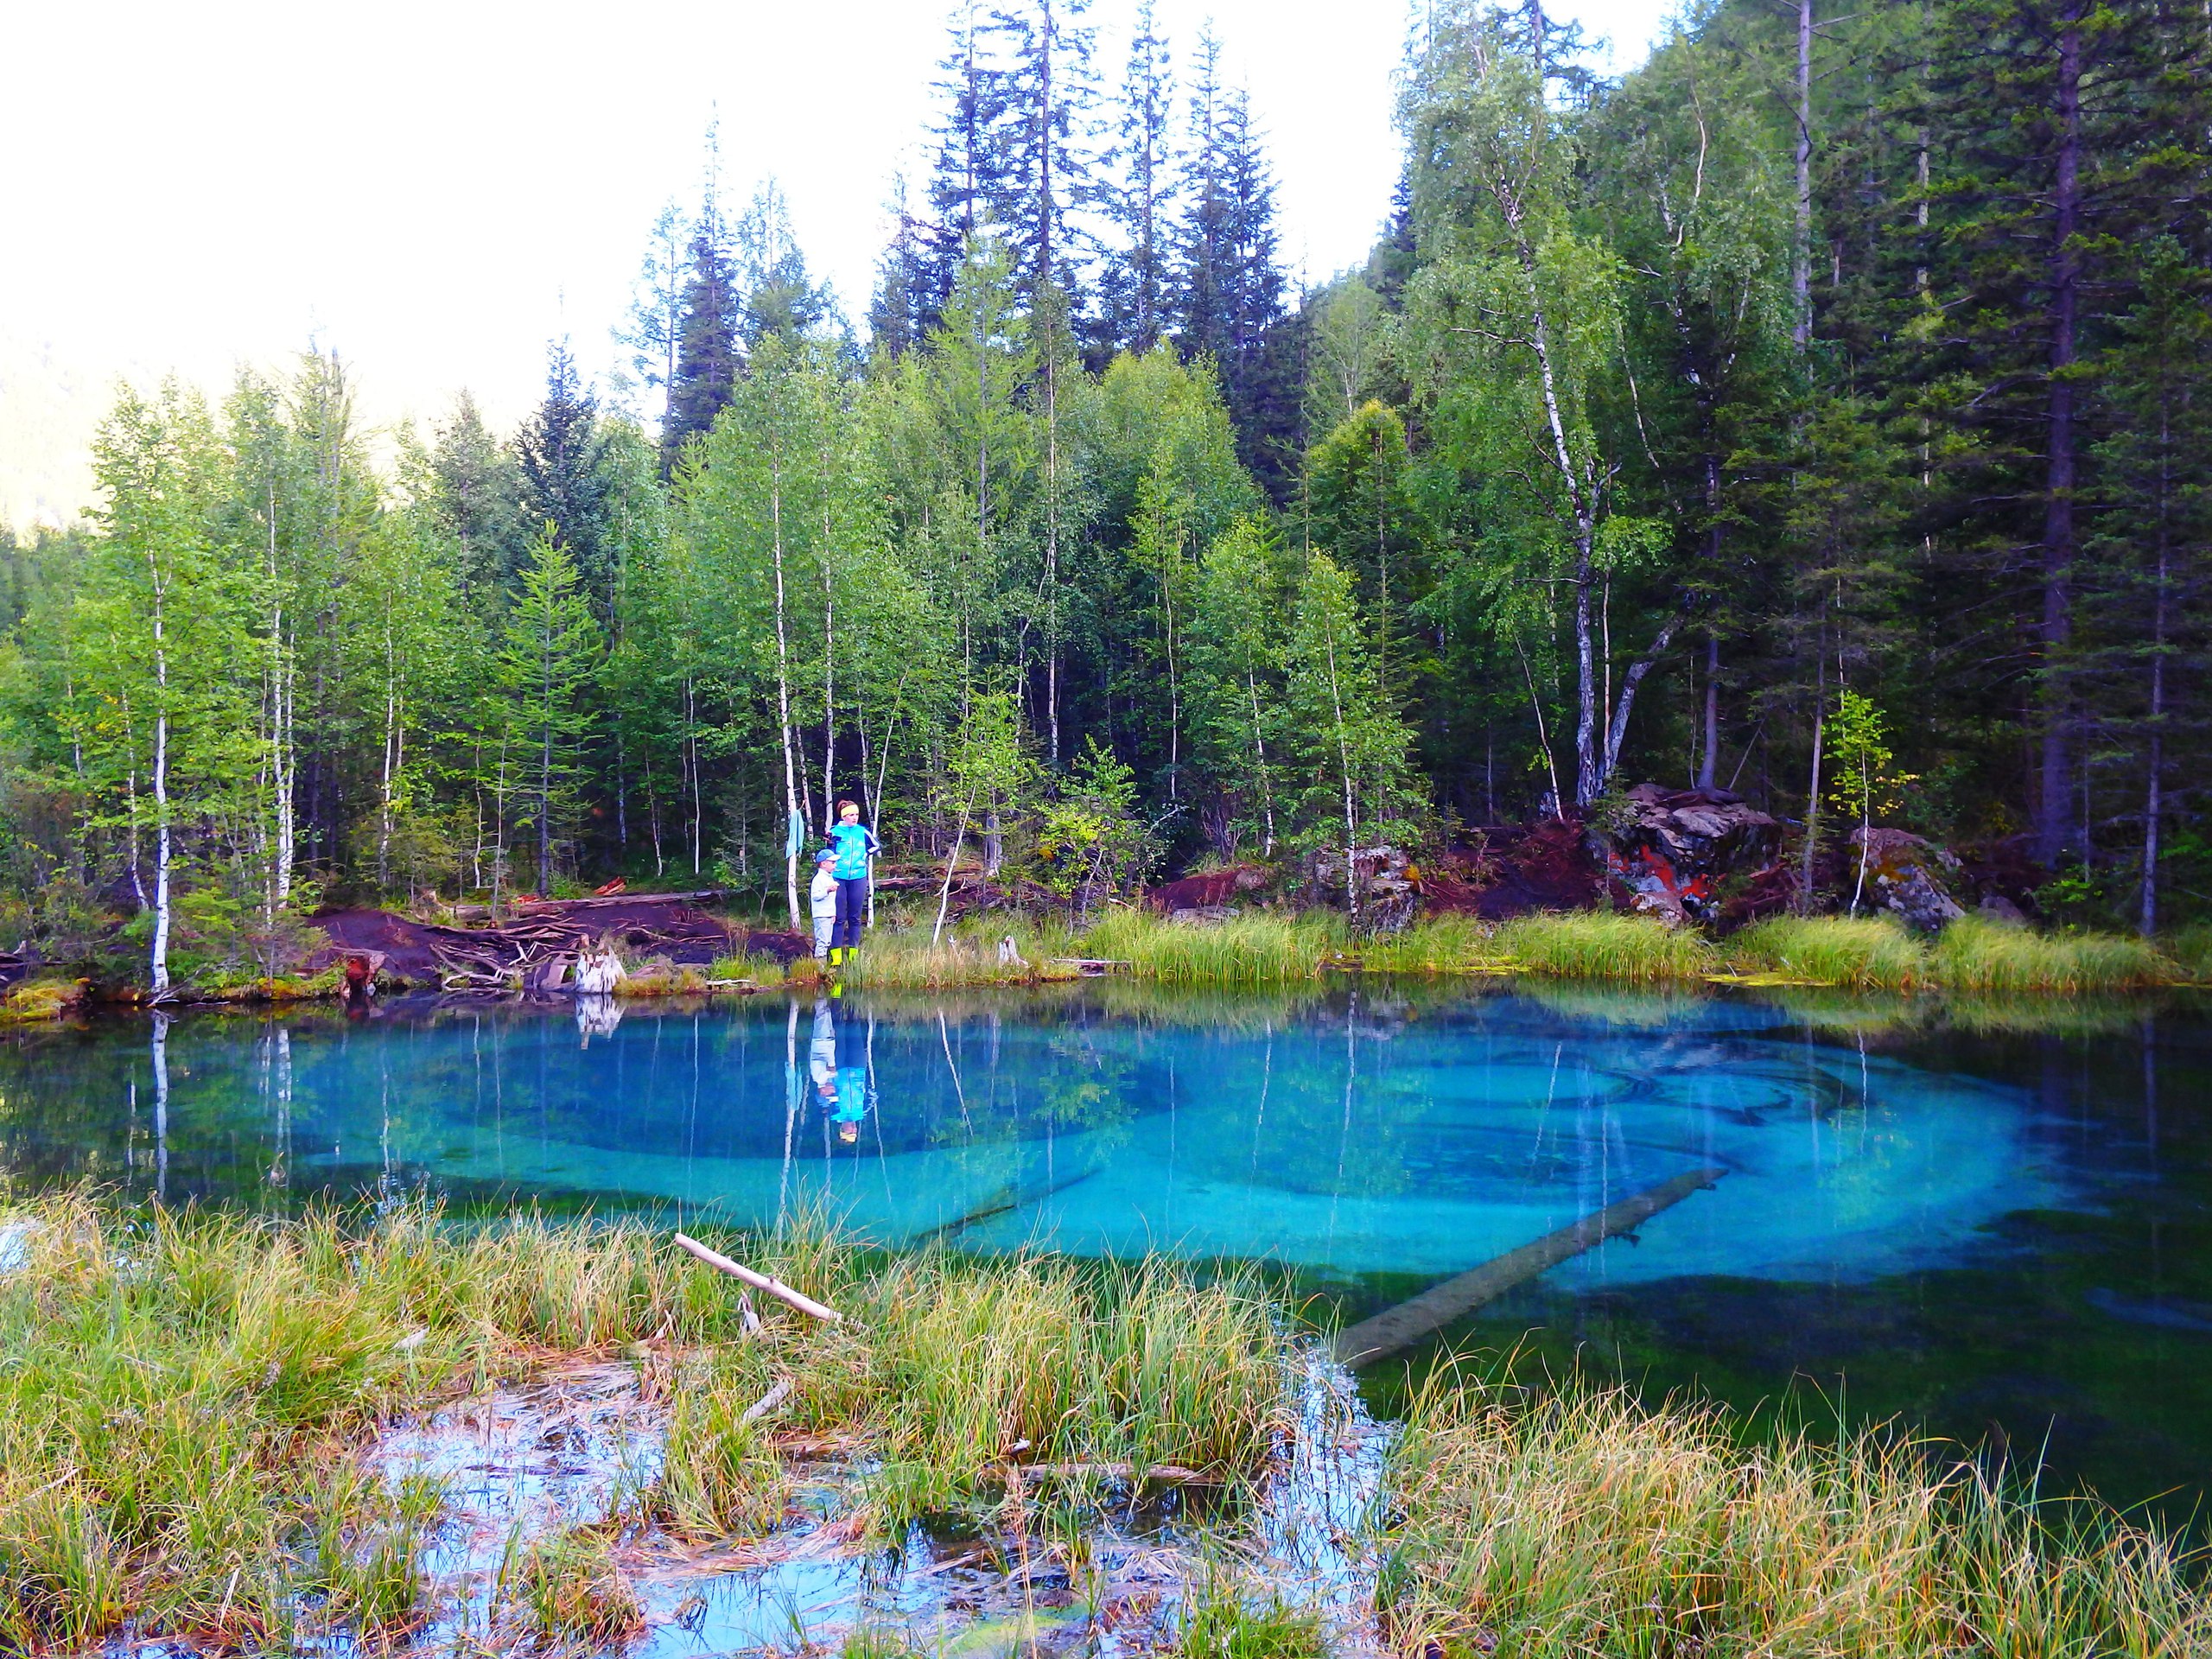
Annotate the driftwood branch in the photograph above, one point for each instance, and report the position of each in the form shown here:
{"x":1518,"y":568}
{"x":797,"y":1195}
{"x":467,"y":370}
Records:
{"x":775,"y":1287}
{"x":768,"y":1402}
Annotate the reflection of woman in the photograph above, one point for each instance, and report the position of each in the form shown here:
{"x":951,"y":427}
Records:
{"x":855,"y":846}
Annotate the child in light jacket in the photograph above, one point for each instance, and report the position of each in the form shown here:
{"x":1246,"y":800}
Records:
{"x":822,"y":901}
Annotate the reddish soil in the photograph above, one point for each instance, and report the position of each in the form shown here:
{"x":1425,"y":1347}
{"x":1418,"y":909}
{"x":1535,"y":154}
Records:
{"x":1520,"y":867}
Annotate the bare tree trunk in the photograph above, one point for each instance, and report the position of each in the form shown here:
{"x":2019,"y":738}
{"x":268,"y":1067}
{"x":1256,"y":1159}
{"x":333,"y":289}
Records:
{"x":1813,"y":791}
{"x":1705,"y":760}
{"x":783,"y":682}
{"x":2154,"y":793}
{"x":1801,"y":268}
{"x":1343,"y":761}
{"x":158,"y":962}
{"x":1260,"y":749}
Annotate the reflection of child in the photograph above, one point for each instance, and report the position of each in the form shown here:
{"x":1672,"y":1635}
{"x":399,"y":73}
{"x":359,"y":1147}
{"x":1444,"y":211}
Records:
{"x":822,"y":899}
{"x":822,"y":1057}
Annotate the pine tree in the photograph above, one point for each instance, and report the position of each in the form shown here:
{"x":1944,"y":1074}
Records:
{"x":967,"y":183}
{"x":906,"y":304}
{"x":2070,"y":134}
{"x":561,"y":451}
{"x":654,"y":330}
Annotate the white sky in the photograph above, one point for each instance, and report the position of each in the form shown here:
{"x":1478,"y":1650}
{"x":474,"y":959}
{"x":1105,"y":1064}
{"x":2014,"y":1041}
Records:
{"x":436,"y":189}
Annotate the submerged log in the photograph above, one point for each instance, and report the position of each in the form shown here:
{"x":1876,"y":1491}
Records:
{"x":775,"y":1287}
{"x":1398,"y":1328}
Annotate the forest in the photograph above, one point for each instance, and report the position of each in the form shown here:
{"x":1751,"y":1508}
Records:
{"x":1813,"y":412}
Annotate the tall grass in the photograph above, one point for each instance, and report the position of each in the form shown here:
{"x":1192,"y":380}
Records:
{"x":1257,"y":948}
{"x":1581,"y":1522}
{"x":1866,"y":953}
{"x":1973,"y":955}
{"x":2192,"y":948}
{"x":954,"y":1370}
{"x":1597,"y":945}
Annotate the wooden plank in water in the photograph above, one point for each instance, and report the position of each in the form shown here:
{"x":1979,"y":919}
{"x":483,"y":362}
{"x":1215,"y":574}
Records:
{"x":1400,"y":1327}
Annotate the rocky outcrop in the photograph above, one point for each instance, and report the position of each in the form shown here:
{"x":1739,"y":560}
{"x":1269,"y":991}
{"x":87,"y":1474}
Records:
{"x":1908,"y":875}
{"x":1210,"y":890}
{"x":1670,"y":852}
{"x":1385,"y":879}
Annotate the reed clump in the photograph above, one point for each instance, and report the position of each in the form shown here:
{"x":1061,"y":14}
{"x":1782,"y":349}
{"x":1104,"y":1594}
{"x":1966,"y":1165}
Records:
{"x":1867,"y":953}
{"x":1255,"y":947}
{"x":955,"y":1369}
{"x":1599,"y":945}
{"x":1973,"y":955}
{"x":1581,"y":1522}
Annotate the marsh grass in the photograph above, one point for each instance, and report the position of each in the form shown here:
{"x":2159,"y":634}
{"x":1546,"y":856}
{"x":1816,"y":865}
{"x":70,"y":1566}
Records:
{"x":569,"y":1591}
{"x":1598,"y":945}
{"x":185,"y":1394}
{"x":2191,"y":948}
{"x":1973,"y":955}
{"x":1581,"y":1522}
{"x":1224,"y":1615}
{"x":1865,"y":953}
{"x":1254,"y":948}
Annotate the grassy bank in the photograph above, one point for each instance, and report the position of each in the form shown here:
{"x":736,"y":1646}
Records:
{"x":1268,"y":947}
{"x":184,"y":1396}
{"x":187,"y":1399}
{"x":1581,"y":1522}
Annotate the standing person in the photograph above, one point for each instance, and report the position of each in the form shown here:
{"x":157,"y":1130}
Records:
{"x":822,"y":901}
{"x":856,"y":846}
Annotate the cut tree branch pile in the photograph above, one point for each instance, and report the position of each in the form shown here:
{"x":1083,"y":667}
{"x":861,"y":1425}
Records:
{"x":538,"y":945}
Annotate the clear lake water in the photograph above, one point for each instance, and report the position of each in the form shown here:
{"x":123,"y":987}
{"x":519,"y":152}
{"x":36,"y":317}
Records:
{"x":1990,"y":1221}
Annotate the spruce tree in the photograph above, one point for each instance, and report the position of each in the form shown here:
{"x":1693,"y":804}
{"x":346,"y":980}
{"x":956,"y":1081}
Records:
{"x":478,"y":501}
{"x":777,"y":296}
{"x":708,"y":352}
{"x":549,"y":652}
{"x":1135,"y":287}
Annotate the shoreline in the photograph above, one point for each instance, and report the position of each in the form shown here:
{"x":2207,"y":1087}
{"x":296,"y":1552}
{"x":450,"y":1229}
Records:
{"x":1272,"y":948}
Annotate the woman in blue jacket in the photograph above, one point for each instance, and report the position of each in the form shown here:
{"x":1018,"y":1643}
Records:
{"x":855,"y":846}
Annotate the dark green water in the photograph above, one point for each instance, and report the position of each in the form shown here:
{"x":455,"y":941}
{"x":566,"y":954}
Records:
{"x":1995,"y":1222}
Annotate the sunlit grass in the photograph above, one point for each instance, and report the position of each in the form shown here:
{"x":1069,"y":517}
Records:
{"x":1865,"y":953}
{"x":1579,"y":1522}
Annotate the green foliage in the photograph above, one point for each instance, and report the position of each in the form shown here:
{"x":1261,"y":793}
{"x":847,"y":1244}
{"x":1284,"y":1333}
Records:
{"x":1092,"y":841}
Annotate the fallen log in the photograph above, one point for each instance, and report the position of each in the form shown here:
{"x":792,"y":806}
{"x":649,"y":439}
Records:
{"x":775,"y":1287}
{"x":1398,"y":1328}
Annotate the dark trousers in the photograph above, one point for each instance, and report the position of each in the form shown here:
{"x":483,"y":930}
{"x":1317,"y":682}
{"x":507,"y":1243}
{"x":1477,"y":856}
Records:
{"x":852,"y":913}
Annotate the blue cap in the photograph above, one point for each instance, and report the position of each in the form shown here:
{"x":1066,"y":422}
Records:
{"x":821,"y":853}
